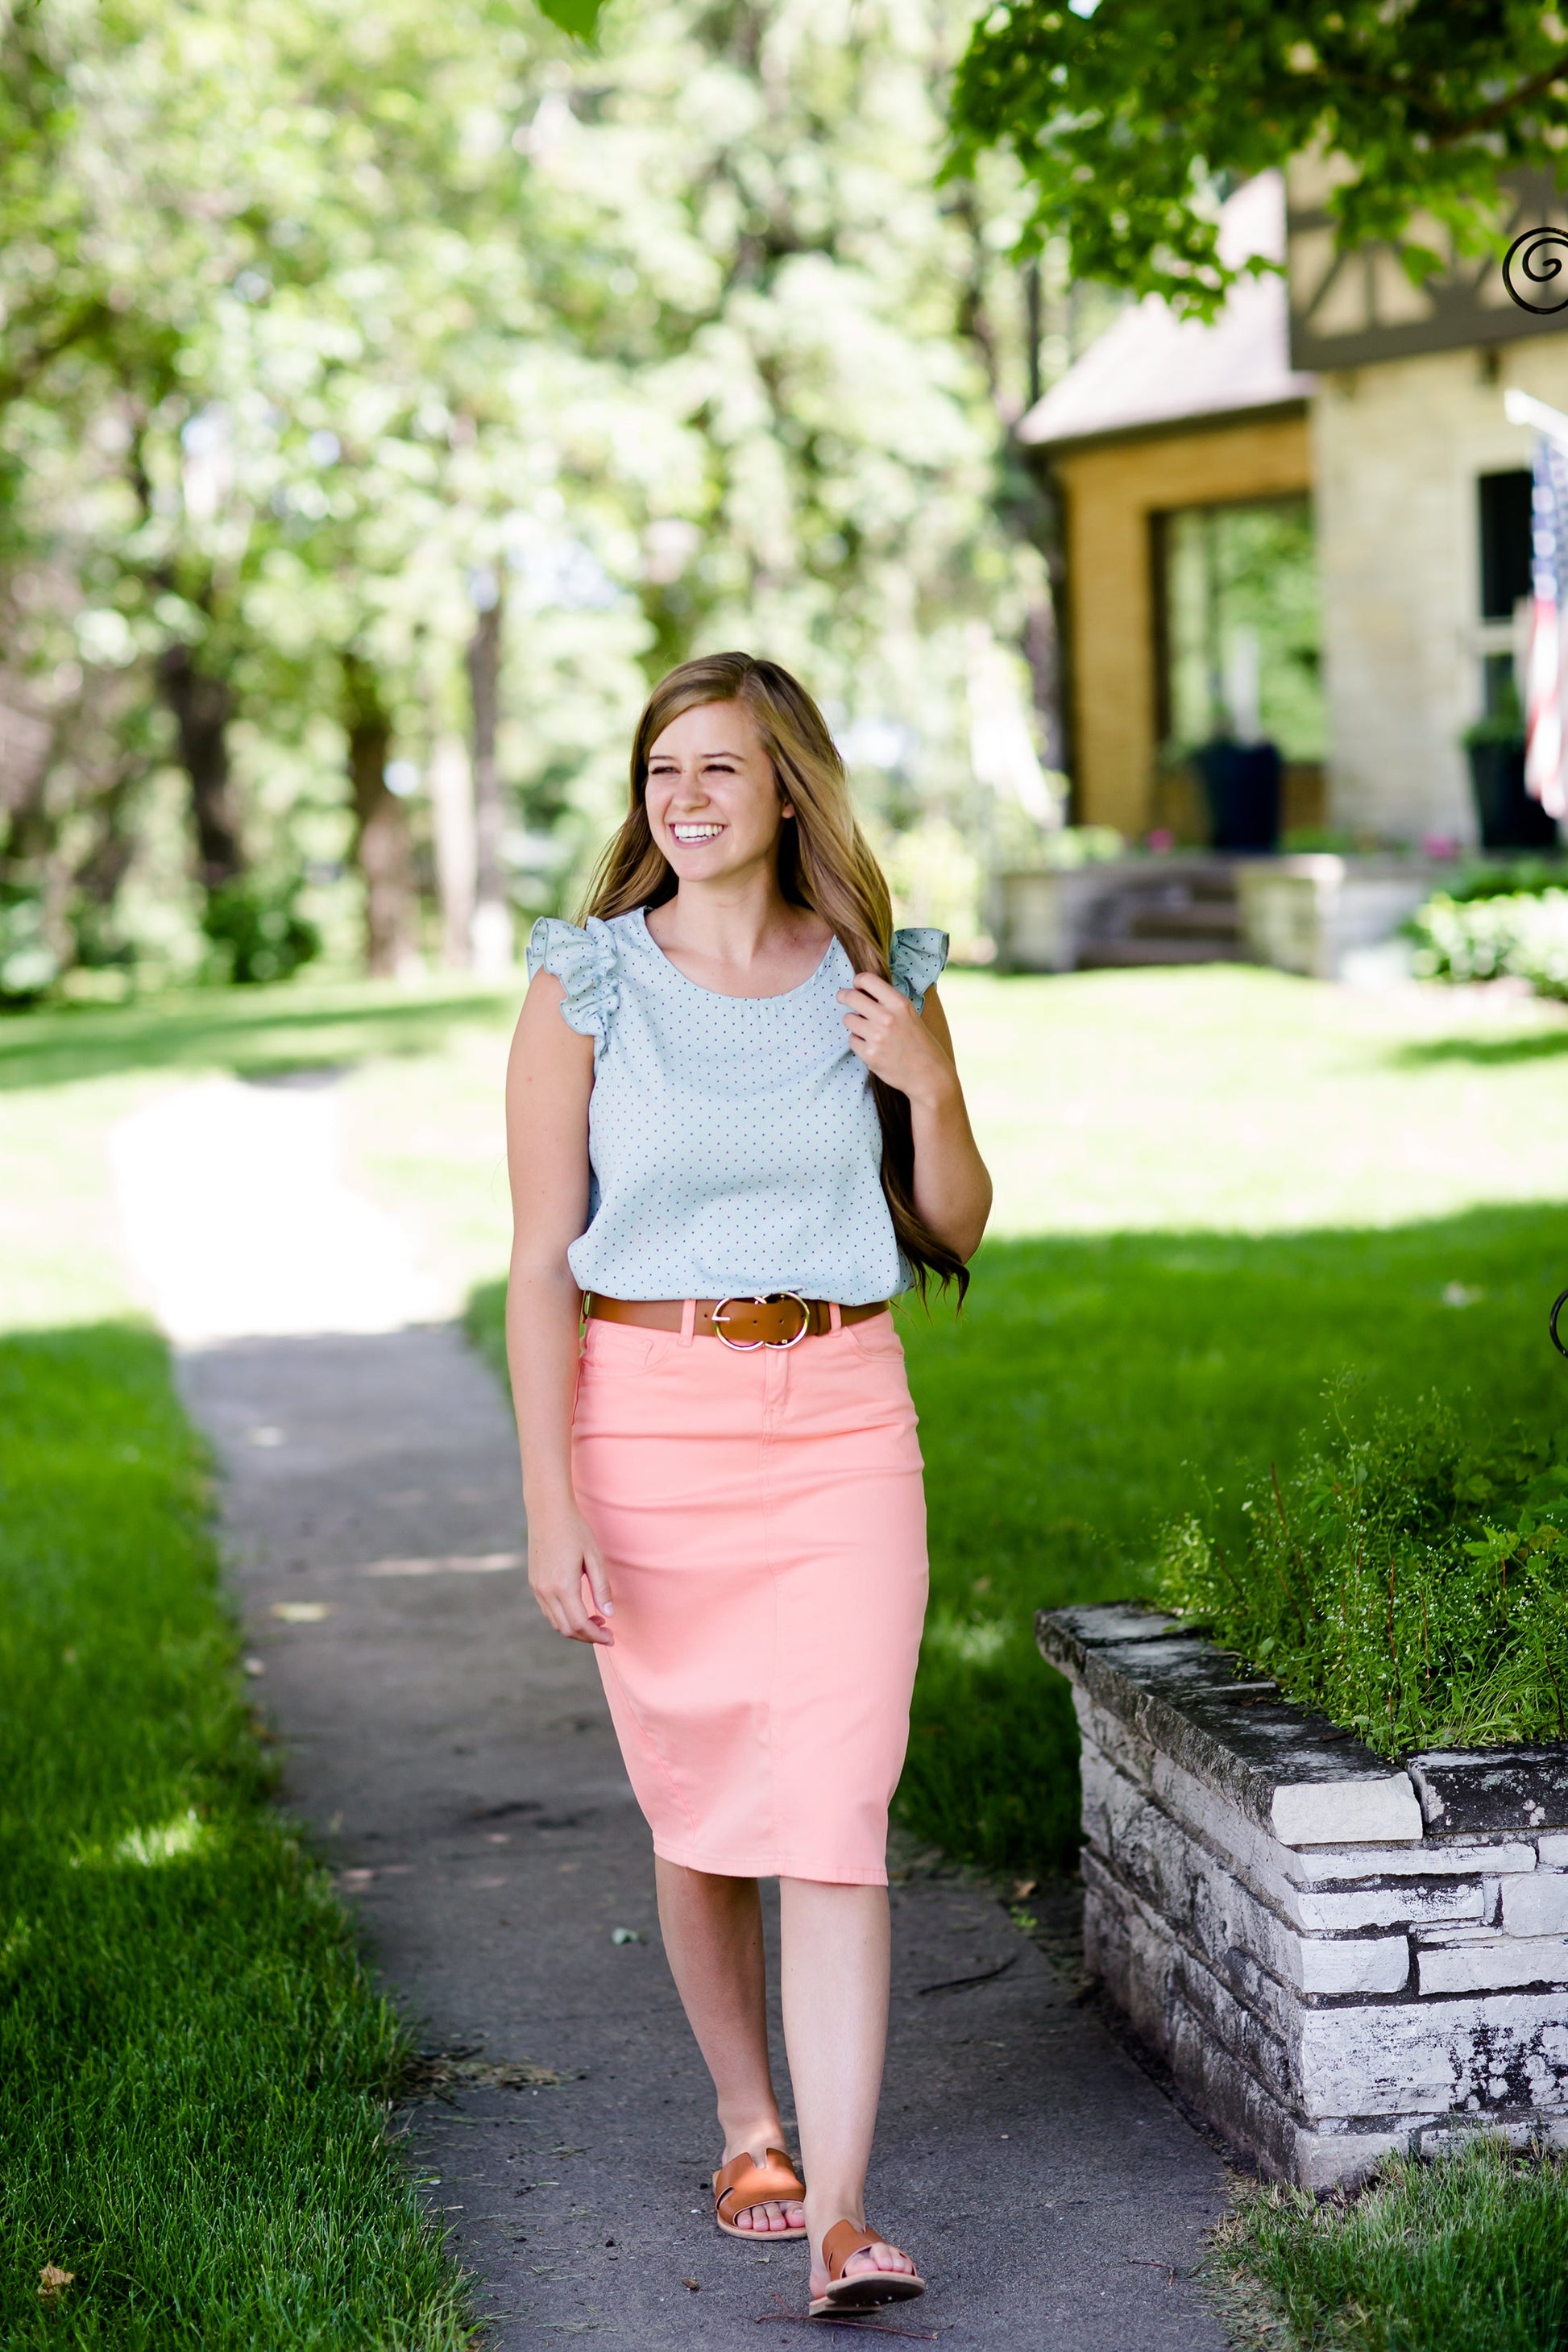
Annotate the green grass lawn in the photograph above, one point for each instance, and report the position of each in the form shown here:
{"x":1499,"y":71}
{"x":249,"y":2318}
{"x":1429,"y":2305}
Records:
{"x":195,"y":2066}
{"x":1469,"y":2254}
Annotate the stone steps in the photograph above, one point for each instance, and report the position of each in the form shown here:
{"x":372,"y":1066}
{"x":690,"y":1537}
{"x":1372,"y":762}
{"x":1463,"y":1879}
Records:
{"x":1183,"y":911}
{"x":1137,"y":953}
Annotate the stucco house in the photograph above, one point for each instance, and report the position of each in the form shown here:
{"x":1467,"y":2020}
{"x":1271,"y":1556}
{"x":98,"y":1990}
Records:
{"x":1312,"y":517}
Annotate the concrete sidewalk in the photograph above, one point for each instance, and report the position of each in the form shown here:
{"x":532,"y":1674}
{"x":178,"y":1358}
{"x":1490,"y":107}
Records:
{"x":456,"y":1759}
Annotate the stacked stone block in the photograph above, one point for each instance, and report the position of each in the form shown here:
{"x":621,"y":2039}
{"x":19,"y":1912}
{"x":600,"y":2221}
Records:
{"x":1336,"y":1958}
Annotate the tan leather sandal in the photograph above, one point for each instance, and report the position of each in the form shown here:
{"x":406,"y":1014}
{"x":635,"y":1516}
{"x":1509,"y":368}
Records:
{"x":743,"y":2181}
{"x":867,"y":2288}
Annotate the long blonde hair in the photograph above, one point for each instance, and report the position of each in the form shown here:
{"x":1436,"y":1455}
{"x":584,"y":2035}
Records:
{"x":824,"y":864}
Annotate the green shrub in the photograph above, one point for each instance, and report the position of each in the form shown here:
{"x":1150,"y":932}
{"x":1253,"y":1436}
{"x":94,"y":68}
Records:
{"x":256,"y":931}
{"x":28,"y":964}
{"x":1523,"y":935}
{"x":1516,"y":877}
{"x":1411,"y":1586}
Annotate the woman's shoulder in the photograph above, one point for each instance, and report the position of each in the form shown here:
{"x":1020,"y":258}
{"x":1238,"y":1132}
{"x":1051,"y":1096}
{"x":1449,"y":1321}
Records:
{"x":584,"y":958}
{"x":916,"y":960}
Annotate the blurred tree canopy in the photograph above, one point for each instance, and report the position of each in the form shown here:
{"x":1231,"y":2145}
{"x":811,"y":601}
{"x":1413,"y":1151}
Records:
{"x":387,"y":394}
{"x":1129,"y":118}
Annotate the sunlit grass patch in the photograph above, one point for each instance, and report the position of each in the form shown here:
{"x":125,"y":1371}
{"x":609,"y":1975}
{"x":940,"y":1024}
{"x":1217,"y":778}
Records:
{"x":296,"y":1026}
{"x":195,"y":2068}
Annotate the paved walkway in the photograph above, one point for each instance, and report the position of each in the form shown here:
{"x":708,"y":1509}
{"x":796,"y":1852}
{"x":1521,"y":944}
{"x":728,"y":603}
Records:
{"x":456,"y":1758}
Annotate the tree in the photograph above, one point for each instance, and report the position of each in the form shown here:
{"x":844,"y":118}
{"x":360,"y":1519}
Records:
{"x":659,"y":340}
{"x":1129,"y":119}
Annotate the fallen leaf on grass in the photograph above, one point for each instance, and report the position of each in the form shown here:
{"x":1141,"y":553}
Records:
{"x":52,"y":2280}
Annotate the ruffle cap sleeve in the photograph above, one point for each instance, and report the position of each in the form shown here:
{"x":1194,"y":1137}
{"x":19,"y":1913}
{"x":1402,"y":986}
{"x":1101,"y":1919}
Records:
{"x":915,"y":960}
{"x":584,"y":961}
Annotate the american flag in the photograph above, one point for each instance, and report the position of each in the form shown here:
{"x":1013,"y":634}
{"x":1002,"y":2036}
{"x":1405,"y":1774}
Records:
{"x":1546,"y":664}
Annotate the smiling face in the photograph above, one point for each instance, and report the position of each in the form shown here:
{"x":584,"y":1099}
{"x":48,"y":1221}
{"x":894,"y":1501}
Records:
{"x":712,"y":804}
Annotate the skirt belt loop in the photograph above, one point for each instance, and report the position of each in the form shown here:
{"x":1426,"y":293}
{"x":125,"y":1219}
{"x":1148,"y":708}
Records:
{"x":834,"y":1315}
{"x":687,"y":1321}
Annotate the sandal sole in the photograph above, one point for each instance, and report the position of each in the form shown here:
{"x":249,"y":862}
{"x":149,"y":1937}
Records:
{"x":866,"y":2294}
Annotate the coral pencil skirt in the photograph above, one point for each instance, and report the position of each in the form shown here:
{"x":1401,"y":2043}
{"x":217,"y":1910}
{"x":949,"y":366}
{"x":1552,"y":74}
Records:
{"x":762,"y":1521}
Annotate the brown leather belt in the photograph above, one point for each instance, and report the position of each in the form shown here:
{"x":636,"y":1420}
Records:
{"x":779,"y":1321}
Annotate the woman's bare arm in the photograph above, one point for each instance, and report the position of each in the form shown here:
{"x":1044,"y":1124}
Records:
{"x":914,"y":1051}
{"x":550,"y":1076}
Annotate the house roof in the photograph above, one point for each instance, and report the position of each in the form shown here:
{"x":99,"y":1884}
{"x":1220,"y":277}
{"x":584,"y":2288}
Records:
{"x":1151,"y":368}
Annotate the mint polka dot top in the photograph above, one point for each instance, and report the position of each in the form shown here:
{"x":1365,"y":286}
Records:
{"x":733,"y":1140}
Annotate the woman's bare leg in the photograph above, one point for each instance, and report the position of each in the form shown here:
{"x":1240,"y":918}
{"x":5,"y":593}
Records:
{"x":712,"y":1930}
{"x":836,"y":2026}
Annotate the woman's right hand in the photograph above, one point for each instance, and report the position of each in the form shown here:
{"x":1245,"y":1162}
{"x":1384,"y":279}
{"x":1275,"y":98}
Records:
{"x":566,"y":1573}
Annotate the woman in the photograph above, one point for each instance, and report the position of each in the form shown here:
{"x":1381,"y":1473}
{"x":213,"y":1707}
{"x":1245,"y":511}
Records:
{"x":736,"y":1130}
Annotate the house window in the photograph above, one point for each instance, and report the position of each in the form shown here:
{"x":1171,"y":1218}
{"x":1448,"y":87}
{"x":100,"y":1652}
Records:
{"x":1505,"y":543}
{"x":1238,"y":611}
{"x":1504,"y":501}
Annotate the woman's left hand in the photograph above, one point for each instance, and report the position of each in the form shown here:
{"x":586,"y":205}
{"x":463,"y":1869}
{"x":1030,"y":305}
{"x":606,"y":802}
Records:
{"x":894,"y":1043}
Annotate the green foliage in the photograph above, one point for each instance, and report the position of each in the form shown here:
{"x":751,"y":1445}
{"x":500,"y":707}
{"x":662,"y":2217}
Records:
{"x":1404,"y":1584}
{"x":1484,"y":935}
{"x":1467,"y":2253}
{"x":196,"y":2065}
{"x":1128,"y":117}
{"x":257,"y":934}
{"x":1515,"y":878}
{"x":27,"y":963}
{"x":1503,"y":723}
{"x":673,"y":344}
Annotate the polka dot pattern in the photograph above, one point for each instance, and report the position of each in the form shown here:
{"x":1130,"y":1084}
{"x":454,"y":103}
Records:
{"x":735,"y":1141}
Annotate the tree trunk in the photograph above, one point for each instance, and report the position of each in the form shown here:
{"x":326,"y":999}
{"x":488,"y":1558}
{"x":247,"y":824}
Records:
{"x":203,"y":708}
{"x":452,"y":809}
{"x":380,"y":829}
{"x":491,"y":929}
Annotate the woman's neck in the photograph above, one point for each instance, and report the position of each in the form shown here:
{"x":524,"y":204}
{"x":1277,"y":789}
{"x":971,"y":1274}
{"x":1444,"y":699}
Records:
{"x":741,"y":939}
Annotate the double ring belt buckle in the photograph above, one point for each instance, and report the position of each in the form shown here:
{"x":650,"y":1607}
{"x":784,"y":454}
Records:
{"x":749,"y":1347}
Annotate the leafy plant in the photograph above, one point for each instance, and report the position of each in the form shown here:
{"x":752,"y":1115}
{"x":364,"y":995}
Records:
{"x":1413,"y":1587}
{"x":27,"y":963}
{"x":256,"y":932}
{"x":1500,"y":726}
{"x":1518,"y":877}
{"x":1521,"y":934}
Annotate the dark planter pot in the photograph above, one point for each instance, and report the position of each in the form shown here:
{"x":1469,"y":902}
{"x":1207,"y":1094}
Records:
{"x":1241,"y":786}
{"x":1508,"y":817}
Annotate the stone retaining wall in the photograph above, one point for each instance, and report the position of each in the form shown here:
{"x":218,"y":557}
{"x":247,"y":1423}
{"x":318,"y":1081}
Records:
{"x":1335,"y":1957}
